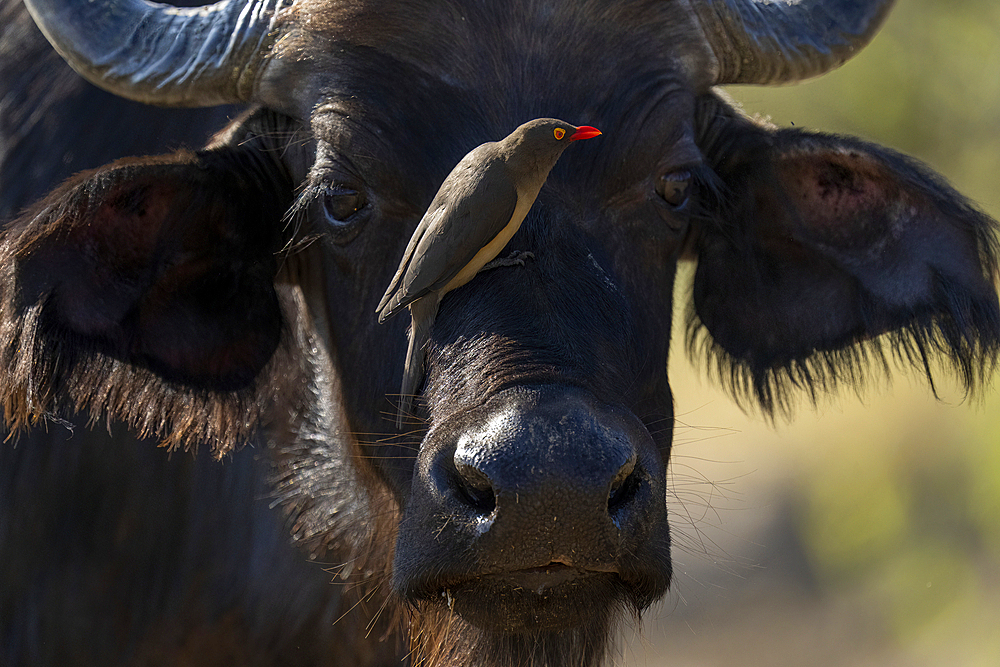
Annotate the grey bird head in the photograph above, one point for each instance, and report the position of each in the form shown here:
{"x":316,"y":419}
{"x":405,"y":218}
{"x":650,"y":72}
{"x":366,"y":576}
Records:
{"x":541,"y":141}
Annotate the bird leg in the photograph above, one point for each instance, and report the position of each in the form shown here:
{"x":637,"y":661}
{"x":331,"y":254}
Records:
{"x":515,"y":258}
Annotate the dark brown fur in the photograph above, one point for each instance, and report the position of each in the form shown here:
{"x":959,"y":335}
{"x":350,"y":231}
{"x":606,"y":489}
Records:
{"x":211,"y":298}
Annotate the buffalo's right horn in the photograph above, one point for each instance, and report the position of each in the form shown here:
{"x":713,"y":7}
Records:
{"x":781,"y":41}
{"x":159,"y":54}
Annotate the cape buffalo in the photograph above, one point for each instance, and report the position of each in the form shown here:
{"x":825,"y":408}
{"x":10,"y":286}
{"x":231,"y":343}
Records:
{"x":225,"y":297}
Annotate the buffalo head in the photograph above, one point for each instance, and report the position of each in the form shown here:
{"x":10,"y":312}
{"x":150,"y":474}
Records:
{"x":521,"y":513}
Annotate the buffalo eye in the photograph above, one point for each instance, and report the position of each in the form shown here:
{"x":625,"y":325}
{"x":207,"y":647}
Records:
{"x":675,"y":187}
{"x":342,"y":208}
{"x":341,"y":203}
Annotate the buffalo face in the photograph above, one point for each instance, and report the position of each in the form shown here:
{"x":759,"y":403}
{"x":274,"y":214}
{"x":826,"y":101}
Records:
{"x":532,"y":483}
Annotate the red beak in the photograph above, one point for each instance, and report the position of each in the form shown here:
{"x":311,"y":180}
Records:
{"x":584,"y":132}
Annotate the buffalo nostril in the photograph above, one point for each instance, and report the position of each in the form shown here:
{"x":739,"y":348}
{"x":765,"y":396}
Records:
{"x":624,"y":486}
{"x":475,"y":488}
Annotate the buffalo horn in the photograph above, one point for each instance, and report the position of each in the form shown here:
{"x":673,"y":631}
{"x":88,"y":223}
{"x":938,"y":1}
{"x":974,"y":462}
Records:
{"x":780,"y":41}
{"x":160,"y":54}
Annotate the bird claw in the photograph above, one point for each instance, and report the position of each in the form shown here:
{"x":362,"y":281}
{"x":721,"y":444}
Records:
{"x":515,"y":258}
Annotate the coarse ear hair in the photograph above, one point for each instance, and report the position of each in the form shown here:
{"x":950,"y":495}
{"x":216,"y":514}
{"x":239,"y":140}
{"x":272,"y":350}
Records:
{"x":832,"y":255}
{"x":144,"y":291}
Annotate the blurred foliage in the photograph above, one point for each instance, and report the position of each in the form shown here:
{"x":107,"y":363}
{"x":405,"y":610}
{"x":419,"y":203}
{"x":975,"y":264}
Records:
{"x":904,"y":511}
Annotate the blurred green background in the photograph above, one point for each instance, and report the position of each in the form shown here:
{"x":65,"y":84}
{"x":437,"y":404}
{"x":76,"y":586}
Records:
{"x":866,"y":531}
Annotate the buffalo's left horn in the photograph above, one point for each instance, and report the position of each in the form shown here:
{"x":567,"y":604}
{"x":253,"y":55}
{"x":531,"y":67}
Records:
{"x":159,"y":54}
{"x":781,"y":41}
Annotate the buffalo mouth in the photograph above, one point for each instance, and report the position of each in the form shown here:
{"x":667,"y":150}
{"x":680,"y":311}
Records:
{"x":548,"y":598}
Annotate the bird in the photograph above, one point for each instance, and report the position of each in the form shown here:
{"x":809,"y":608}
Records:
{"x":476,"y":211}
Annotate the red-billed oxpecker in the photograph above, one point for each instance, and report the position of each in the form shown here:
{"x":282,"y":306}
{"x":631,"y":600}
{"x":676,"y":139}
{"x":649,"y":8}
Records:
{"x":476,"y":211}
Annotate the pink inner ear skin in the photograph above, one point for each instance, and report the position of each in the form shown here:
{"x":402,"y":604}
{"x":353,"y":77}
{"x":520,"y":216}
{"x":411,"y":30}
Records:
{"x":110,"y":257}
{"x":844,"y":200}
{"x":157,"y":265}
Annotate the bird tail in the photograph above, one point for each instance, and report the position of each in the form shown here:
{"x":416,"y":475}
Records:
{"x":422,"y":313}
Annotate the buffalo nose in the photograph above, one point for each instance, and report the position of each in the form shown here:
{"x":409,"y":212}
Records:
{"x":540,"y":487}
{"x":554,"y":470}
{"x":596,"y":467}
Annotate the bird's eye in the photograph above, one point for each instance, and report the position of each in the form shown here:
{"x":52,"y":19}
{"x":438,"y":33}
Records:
{"x":559,"y":133}
{"x":676,"y":188}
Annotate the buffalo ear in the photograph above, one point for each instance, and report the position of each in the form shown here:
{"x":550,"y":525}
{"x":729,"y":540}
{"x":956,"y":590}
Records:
{"x":831,"y":253}
{"x":144,"y":291}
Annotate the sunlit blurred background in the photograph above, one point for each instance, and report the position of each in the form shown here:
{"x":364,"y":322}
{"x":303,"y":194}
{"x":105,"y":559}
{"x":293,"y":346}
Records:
{"x":867,"y":530}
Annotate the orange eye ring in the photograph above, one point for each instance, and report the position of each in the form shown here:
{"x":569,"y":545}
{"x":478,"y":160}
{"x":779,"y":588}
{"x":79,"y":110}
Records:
{"x":559,"y":133}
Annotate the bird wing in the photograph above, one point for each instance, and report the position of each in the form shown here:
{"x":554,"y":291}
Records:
{"x":463,"y":171}
{"x":411,"y":246}
{"x":474,"y":204}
